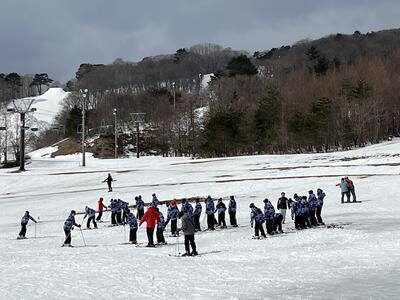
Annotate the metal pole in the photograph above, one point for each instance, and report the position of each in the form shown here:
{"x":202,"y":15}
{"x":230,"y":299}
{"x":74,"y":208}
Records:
{"x":22,"y":144}
{"x":137,"y":139}
{"x":5,"y":140}
{"x":83,"y":132}
{"x":115,"y":134}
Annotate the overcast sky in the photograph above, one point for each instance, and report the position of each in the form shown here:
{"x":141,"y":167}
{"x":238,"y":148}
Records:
{"x":56,"y":36}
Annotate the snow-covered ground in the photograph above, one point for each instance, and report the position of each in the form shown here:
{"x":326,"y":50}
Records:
{"x":359,"y":261}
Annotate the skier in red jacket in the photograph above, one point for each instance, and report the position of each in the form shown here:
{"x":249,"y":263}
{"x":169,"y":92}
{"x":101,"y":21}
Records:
{"x":100,"y":209}
{"x":151,"y":218}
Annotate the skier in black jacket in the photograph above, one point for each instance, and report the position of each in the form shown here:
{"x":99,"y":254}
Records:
{"x":282,"y":205}
{"x":109,"y":180}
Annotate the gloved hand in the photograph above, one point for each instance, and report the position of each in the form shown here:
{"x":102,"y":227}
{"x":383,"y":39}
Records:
{"x":79,"y":225}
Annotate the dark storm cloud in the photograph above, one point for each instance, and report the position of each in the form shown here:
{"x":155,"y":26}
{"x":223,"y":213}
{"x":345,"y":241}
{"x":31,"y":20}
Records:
{"x":55,"y":36}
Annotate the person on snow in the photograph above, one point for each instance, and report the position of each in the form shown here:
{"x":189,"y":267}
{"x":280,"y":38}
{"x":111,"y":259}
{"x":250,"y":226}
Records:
{"x":133,"y":227}
{"x":196,"y":215}
{"x":160,"y":228}
{"x":257,"y":217}
{"x":119,"y":211}
{"x":100,"y":207}
{"x":125,"y":209}
{"x":296,"y":212}
{"x":312,"y":201}
{"x":172,"y":215}
{"x":68,"y":226}
{"x":278,"y":220}
{"x":232,"y":211}
{"x":154,"y":201}
{"x":269,"y":212}
{"x":24,"y":221}
{"x":109,"y":180}
{"x":320,"y":203}
{"x":305,"y":212}
{"x":187,"y":208}
{"x":221,"y":208}
{"x":139,"y":207}
{"x":344,"y":188}
{"x":351,"y":187}
{"x":151,"y":218}
{"x":282,"y":205}
{"x":187,"y":226}
{"x":114,"y":209}
{"x":210,"y":209}
{"x":91,"y":213}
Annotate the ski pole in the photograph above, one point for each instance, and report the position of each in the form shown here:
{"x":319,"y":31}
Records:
{"x":35,"y":230}
{"x":83,"y":238}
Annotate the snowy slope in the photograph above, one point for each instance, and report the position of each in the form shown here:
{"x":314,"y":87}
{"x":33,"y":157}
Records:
{"x":360,"y":261}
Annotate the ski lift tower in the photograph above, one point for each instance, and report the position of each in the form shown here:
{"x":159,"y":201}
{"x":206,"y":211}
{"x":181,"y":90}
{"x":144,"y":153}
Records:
{"x":137,"y":119}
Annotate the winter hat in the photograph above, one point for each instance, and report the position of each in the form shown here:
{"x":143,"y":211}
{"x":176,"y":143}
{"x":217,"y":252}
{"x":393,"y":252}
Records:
{"x":220,"y":200}
{"x":180,"y":215}
{"x":310,"y":192}
{"x":265,"y":200}
{"x":197,"y":200}
{"x":283,"y":194}
{"x":27,"y":212}
{"x":184,"y":200}
{"x":208,"y":197}
{"x":73,"y":212}
{"x":101,"y":199}
{"x":173,"y":202}
{"x":251,"y":205}
{"x":319,"y":190}
{"x":232,"y":197}
{"x":136,"y":198}
{"x":295,"y":196}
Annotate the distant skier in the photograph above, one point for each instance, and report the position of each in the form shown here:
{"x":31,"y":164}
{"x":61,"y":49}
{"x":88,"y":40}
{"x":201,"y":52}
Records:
{"x":24,"y":221}
{"x":269,"y":212}
{"x":151,"y":218}
{"x":91,"y":213}
{"x":160,"y":228}
{"x":320,"y":203}
{"x":139,"y":207}
{"x":351,"y":187}
{"x":196,"y":215}
{"x":282,"y":205}
{"x":109,"y":180}
{"x":154,"y":201}
{"x":210,"y":208}
{"x":172,"y":215}
{"x":133,"y":227}
{"x":220,"y":210}
{"x":296,"y":212}
{"x":114,"y":209}
{"x":187,"y":226}
{"x":344,"y":188}
{"x":187,"y":208}
{"x":278,"y":220}
{"x":257,"y":218}
{"x":232,"y":211}
{"x":68,"y":226}
{"x":313,"y":202}
{"x":100,"y":208}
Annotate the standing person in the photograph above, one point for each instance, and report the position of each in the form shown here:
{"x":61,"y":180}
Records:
{"x":154,"y":201}
{"x":278,"y":220}
{"x":139,"y":207}
{"x":351,"y":187}
{"x":312,"y":201}
{"x":305,"y":212}
{"x":119,"y":211}
{"x":151,"y":218}
{"x":133,"y":227}
{"x":125,"y":210}
{"x":24,"y":221}
{"x":187,"y":208}
{"x":221,"y":208}
{"x":100,"y":208}
{"x":232,"y":211}
{"x":269,"y":212}
{"x":344,"y":188}
{"x":187,"y":226}
{"x":68,"y":226}
{"x":172,"y":215}
{"x":109,"y":179}
{"x":160,"y":228}
{"x":91,"y":213}
{"x":296,"y":212}
{"x":210,"y":208}
{"x":114,"y":208}
{"x":257,"y":217}
{"x":282,"y":205}
{"x":320,"y":203}
{"x":196,"y":215}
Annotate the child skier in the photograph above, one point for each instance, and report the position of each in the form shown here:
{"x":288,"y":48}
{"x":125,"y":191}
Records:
{"x":232,"y":211}
{"x":344,"y":188}
{"x":187,"y":226}
{"x":320,"y":203}
{"x":133,"y":227}
{"x":172,"y":215}
{"x":125,"y":209}
{"x":139,"y":207}
{"x":154,"y":201}
{"x":119,"y":211}
{"x":160,"y":228}
{"x":312,"y":201}
{"x":296,"y":212}
{"x":24,"y":221}
{"x":278,"y":220}
{"x":109,"y":180}
{"x":68,"y":226}
{"x":305,"y":212}
{"x":257,"y":217}
{"x":351,"y":188}
{"x":221,"y":208}
{"x":210,"y":208}
{"x":91,"y":213}
{"x":269,"y":213}
{"x":100,"y":208}
{"x":187,"y":208}
{"x":114,"y":208}
{"x":196,"y":215}
{"x":151,"y":218}
{"x":282,"y":205}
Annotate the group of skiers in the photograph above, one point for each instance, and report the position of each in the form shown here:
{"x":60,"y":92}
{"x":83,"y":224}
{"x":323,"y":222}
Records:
{"x":347,"y":187}
{"x":220,"y":209}
{"x":306,"y":212}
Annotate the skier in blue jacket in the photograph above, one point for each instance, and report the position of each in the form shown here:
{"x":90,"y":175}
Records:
{"x":312,"y":201}
{"x":305,"y":212}
{"x":154,"y":201}
{"x":196,"y":215}
{"x":187,"y":208}
{"x":278,"y":220}
{"x":320,"y":203}
{"x":257,"y":217}
{"x":220,"y":209}
{"x":172,"y":215}
{"x":133,"y":227}
{"x":296,"y":212}
{"x":91,"y":213}
{"x":269,"y":212}
{"x":160,"y":228}
{"x":119,"y":211}
{"x":344,"y":188}
{"x":210,"y":208}
{"x":24,"y":221}
{"x":139,"y":207}
{"x":232,"y":211}
{"x":114,"y":209}
{"x":68,"y":226}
